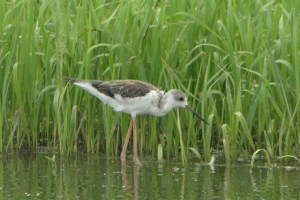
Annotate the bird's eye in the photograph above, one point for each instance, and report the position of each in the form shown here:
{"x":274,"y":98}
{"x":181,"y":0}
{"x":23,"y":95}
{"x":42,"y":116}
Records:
{"x":181,"y":98}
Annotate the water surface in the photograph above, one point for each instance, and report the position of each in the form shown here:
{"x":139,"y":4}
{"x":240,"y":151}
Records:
{"x":97,"y":177}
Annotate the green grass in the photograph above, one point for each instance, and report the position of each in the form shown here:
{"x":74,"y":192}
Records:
{"x":238,"y":62}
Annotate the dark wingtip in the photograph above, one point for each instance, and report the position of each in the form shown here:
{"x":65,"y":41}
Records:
{"x":94,"y":83}
{"x":72,"y":80}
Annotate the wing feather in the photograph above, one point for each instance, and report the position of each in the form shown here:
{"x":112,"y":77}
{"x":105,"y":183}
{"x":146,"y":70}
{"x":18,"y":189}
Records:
{"x":125,"y":88}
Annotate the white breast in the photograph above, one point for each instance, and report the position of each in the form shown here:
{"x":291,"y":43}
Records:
{"x":147,"y":104}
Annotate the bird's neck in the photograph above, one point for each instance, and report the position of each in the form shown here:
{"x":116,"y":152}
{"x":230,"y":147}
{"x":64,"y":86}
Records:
{"x":164,"y":106}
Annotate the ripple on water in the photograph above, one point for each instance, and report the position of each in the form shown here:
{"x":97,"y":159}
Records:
{"x":95,"y":177}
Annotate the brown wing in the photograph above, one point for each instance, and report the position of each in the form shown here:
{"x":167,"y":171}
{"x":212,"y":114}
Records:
{"x":125,"y":88}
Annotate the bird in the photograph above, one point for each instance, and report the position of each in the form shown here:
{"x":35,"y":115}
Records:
{"x":134,"y":97}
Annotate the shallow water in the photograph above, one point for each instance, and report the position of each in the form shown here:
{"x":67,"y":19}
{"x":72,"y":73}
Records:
{"x":94,"y":177}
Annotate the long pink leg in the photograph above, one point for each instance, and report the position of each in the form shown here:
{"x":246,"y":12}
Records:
{"x":135,"y":152}
{"x":123,"y":154}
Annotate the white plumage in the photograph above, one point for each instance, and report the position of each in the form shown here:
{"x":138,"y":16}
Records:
{"x":135,"y":98}
{"x":139,"y":105}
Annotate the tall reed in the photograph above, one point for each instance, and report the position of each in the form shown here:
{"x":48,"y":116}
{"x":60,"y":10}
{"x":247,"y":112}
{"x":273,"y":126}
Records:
{"x":238,"y":62}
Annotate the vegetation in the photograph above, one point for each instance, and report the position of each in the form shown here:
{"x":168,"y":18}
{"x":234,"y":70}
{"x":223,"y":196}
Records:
{"x":237,"y":60}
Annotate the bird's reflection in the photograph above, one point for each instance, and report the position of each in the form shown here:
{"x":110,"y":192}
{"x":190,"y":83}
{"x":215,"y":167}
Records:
{"x":128,"y":189}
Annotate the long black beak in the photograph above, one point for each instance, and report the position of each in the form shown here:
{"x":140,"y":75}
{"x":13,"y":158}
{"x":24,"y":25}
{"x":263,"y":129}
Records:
{"x":192,"y":111}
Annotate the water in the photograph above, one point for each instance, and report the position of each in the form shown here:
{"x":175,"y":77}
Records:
{"x":94,"y":177}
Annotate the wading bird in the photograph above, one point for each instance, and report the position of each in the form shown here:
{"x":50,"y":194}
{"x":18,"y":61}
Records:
{"x":135,"y":98}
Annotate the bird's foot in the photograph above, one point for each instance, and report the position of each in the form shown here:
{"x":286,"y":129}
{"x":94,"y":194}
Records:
{"x":137,"y":162}
{"x":123,"y":162}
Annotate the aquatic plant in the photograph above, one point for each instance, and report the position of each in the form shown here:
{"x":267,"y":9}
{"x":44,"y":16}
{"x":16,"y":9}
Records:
{"x":237,"y":61}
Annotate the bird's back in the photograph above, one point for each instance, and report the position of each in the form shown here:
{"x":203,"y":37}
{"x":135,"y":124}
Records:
{"x":130,"y":96}
{"x":125,"y":88}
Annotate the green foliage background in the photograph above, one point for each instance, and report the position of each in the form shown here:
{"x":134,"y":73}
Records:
{"x":237,"y":60}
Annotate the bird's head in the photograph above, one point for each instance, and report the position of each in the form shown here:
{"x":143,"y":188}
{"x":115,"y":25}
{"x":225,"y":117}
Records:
{"x":178,"y":99}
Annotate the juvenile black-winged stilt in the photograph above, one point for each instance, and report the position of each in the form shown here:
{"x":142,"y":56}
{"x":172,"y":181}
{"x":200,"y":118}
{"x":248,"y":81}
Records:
{"x":135,"y":98}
